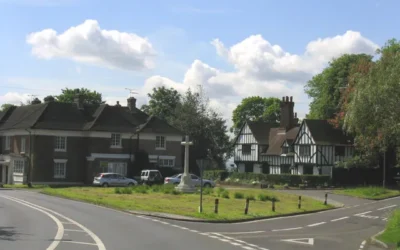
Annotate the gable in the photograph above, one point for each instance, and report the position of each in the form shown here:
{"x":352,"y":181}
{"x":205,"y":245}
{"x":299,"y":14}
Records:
{"x":304,"y":135}
{"x":245,"y":135}
{"x":325,"y":133}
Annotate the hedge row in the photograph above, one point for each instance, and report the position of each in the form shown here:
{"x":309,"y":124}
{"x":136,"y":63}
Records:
{"x":276,"y":179}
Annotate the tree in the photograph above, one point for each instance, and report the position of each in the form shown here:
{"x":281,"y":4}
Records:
{"x":325,"y":88}
{"x":163,"y":102}
{"x":191,"y":114}
{"x":89,"y":97}
{"x":49,"y":98}
{"x":256,"y":108}
{"x":6,"y":106}
{"x":36,"y":101}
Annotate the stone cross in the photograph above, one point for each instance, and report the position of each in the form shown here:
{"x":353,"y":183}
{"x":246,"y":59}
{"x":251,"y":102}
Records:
{"x":186,"y":185}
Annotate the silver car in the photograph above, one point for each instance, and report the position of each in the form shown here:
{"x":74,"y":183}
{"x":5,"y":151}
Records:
{"x":112,"y":179}
{"x":176,"y":179}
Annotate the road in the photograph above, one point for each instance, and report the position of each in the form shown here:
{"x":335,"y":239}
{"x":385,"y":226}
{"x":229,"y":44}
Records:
{"x":29,"y":220}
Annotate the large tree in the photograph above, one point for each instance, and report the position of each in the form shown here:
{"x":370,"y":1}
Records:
{"x":326,"y":87}
{"x":256,"y":108}
{"x":6,"y":106}
{"x":192,"y":115}
{"x":89,"y":97}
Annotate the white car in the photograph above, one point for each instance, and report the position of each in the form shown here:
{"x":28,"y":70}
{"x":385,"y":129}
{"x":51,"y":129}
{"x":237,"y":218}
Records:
{"x":112,"y":179}
{"x":176,"y":179}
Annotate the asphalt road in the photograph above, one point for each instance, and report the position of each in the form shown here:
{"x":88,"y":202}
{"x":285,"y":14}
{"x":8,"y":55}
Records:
{"x":30,"y":220}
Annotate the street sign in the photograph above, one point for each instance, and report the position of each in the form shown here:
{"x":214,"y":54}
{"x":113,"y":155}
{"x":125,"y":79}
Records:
{"x":304,"y":241}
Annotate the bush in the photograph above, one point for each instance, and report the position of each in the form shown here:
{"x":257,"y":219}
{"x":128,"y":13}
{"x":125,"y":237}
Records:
{"x":141,"y":189}
{"x":175,"y":192}
{"x":208,"y":191}
{"x":265,"y":197}
{"x":238,"y":195}
{"x":125,"y":190}
{"x":220,"y":190}
{"x":216,"y":175}
{"x":250,"y":197}
{"x":225,"y":194}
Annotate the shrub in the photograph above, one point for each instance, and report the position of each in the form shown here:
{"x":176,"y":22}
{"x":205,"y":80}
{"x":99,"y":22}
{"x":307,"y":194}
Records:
{"x":225,"y":194}
{"x":175,"y":192}
{"x":125,"y":190}
{"x":117,"y":190}
{"x":216,"y":175}
{"x":208,"y":191}
{"x":220,"y":190}
{"x":265,"y":197}
{"x":250,"y":197}
{"x":141,"y":189}
{"x":238,"y":195}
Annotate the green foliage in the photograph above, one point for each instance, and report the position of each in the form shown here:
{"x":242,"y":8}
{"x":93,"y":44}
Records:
{"x":238,"y":195}
{"x":192,"y":115}
{"x":215,"y":175}
{"x":225,"y":194}
{"x":125,"y":190}
{"x":208,"y":191}
{"x":256,"y":108}
{"x":325,"y":87}
{"x":266,"y":197}
{"x":89,"y":97}
{"x":357,"y":161}
{"x":141,"y":189}
{"x":251,"y":197}
{"x":6,"y":106}
{"x":220,"y":190}
{"x":49,"y":98}
{"x":391,"y":235}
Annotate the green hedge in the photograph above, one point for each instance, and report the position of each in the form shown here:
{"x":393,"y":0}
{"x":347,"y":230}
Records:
{"x":276,"y":179}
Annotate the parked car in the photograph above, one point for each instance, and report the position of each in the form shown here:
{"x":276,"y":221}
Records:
{"x":176,"y":179}
{"x":150,"y":177}
{"x":113,"y":179}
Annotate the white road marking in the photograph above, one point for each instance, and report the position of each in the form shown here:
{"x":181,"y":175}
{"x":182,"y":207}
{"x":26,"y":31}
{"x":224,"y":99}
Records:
{"x":193,"y":231}
{"x":362,"y":244}
{"x":363,"y":213}
{"x":60,"y":227}
{"x":251,"y":232}
{"x":316,"y":224}
{"x":78,"y":242}
{"x":355,"y":206}
{"x":340,"y":219}
{"x":305,"y":241}
{"x":248,"y":248}
{"x":99,"y":243}
{"x":74,"y":230}
{"x":386,"y":207}
{"x":286,"y":229}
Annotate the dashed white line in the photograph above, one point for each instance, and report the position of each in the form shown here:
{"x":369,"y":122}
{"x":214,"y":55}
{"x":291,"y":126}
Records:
{"x":316,"y":224}
{"x":362,"y":244}
{"x":386,"y":207}
{"x":343,"y":218}
{"x":287,"y":229}
{"x":251,"y":232}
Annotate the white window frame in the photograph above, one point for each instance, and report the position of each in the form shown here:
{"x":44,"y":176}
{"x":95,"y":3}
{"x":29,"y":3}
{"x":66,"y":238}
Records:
{"x":7,"y":145}
{"x":114,"y":142}
{"x":57,"y":146}
{"x":19,"y":166}
{"x":23,"y":145}
{"x":166,"y":162}
{"x":60,"y":163}
{"x":159,"y":145}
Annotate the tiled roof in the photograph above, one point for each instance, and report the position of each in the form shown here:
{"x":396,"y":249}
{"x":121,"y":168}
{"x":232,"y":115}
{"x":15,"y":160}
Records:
{"x":277,"y":137}
{"x":324,"y":133}
{"x":261,"y":131}
{"x":67,"y":116}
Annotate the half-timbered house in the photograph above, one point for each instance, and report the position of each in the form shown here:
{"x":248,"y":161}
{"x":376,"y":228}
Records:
{"x":318,"y":146}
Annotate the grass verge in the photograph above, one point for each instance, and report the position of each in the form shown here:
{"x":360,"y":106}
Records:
{"x":373,"y":193}
{"x":24,"y":186}
{"x":391,"y":236}
{"x":166,"y":199}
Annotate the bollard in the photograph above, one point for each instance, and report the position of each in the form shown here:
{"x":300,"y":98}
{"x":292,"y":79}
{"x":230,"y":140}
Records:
{"x":216,"y":206}
{"x":273,"y":205}
{"x":246,"y":208}
{"x":326,"y":199}
{"x":299,"y":201}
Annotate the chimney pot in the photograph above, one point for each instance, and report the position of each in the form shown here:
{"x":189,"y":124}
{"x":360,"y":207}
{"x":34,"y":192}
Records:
{"x":287,"y":98}
{"x":291,"y":99}
{"x":283,"y":99}
{"x":295,"y":115}
{"x":132,"y":103}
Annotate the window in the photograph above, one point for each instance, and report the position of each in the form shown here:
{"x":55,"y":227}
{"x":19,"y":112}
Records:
{"x":19,"y":166}
{"x":160,"y":142}
{"x":61,"y":143}
{"x":248,"y":168}
{"x":166,"y":162}
{"x":60,"y":169}
{"x":23,"y":145}
{"x":117,"y":167}
{"x":194,"y":177}
{"x":116,"y":140}
{"x":8,"y":143}
{"x":305,"y":150}
{"x":285,"y":169}
{"x":246,"y":149}
{"x":285,"y":150}
{"x":339,"y":150}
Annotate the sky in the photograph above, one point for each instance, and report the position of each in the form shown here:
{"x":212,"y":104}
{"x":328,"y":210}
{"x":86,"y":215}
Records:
{"x":234,"y":49}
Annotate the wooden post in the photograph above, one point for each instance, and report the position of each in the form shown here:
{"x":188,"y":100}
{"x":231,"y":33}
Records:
{"x":326,"y":199}
{"x":216,"y":206}
{"x":246,"y":208}
{"x":299,"y":202}
{"x":273,"y":204}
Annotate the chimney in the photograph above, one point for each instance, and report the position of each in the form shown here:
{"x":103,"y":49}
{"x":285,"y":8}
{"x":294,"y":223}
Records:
{"x":78,"y":100}
{"x":295,"y":120}
{"x":287,"y":119}
{"x":132,"y":103}
{"x":118,"y":105}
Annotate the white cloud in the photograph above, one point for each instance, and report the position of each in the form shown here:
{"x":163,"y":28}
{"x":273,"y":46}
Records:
{"x":14,"y":98}
{"x":88,"y":43}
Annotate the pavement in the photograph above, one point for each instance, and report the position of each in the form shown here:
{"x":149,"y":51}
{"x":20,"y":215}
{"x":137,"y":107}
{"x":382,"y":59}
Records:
{"x":30,"y":220}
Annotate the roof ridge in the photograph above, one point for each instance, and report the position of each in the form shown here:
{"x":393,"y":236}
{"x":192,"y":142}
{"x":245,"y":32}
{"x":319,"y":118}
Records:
{"x":23,"y":118}
{"x":101,"y":106}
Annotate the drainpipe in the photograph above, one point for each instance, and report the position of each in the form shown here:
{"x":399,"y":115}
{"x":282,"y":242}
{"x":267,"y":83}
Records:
{"x":28,"y":174}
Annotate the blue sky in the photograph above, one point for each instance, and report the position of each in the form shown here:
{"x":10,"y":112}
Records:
{"x":180,"y":33}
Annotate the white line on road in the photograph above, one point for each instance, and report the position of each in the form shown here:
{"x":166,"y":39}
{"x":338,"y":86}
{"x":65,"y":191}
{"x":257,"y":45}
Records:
{"x":251,"y":232}
{"x":287,"y":229}
{"x":316,"y":224}
{"x":340,"y":218}
{"x":99,"y":243}
{"x":74,"y":230}
{"x":386,"y":207}
{"x":362,"y":244}
{"x":60,"y":227}
{"x":363,"y":213}
{"x":79,"y":242}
